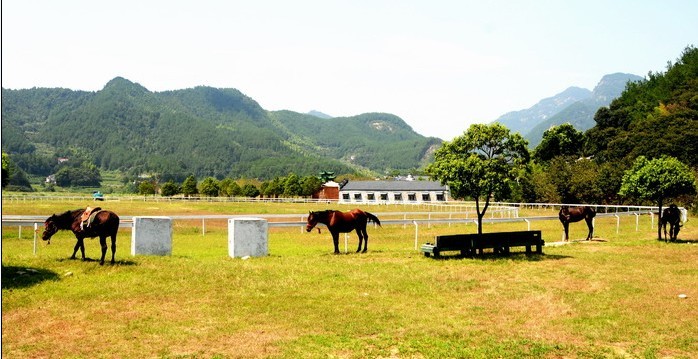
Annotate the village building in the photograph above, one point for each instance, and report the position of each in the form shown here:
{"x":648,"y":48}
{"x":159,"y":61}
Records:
{"x":329,"y":190}
{"x":393,"y":192}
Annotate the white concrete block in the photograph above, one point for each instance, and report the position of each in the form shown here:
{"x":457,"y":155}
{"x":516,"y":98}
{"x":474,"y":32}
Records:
{"x":248,"y":237}
{"x":151,"y":236}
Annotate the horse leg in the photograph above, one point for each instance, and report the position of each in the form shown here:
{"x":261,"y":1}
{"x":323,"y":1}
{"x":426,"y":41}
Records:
{"x":665,"y":235}
{"x":79,"y":244}
{"x":590,"y":225}
{"x":672,"y":232}
{"x":113,"y":247}
{"x":103,"y":243}
{"x":566,"y":226}
{"x":335,"y":240}
{"x":365,"y":241}
{"x":361,"y":238}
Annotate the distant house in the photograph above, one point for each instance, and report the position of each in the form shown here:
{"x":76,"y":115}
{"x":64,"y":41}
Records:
{"x":393,"y":192}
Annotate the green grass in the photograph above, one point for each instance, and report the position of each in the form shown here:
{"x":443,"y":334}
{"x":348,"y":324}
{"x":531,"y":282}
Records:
{"x":616,"y":296}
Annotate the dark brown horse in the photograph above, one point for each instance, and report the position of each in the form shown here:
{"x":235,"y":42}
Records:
{"x":671,"y":216}
{"x":343,"y":222}
{"x":105,"y":224}
{"x":575,"y":214}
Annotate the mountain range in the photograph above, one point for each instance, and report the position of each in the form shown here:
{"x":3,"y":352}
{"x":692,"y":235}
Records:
{"x":203,"y":131}
{"x":574,"y":105}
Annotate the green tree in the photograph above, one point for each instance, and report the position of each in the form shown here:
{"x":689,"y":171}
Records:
{"x":209,"y":187}
{"x":146,"y":188}
{"x":229,"y":188}
{"x":562,"y":140}
{"x":292,"y":186}
{"x":658,"y":179}
{"x":310,"y":185}
{"x":274,"y":188}
{"x":189,"y":186}
{"x":480,"y":164}
{"x":169,"y":189}
{"x":250,"y":190}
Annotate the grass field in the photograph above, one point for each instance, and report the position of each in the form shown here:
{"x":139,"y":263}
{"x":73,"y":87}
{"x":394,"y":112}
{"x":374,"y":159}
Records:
{"x":615,"y":296}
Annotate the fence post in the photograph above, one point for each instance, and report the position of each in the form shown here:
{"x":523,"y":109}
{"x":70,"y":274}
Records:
{"x":416,"y":234}
{"x":36,"y":228}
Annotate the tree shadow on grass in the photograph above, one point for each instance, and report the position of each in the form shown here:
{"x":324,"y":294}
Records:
{"x":23,"y":277}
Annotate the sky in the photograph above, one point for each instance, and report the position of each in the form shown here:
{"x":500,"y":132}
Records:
{"x":439,"y":65}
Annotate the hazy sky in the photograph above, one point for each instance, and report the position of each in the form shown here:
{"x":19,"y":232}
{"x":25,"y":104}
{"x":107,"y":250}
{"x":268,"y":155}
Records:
{"x":439,"y":65}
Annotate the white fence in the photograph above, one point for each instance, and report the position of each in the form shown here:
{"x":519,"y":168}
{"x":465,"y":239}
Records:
{"x":465,"y":213}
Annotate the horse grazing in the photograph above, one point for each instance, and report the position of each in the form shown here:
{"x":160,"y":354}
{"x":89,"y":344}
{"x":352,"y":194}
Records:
{"x":343,"y":222}
{"x":575,"y":214}
{"x":671,"y":216}
{"x":105,"y":224}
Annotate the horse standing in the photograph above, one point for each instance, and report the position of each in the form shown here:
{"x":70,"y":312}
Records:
{"x":575,"y":214}
{"x":105,"y":224}
{"x":343,"y":222}
{"x":671,"y":216}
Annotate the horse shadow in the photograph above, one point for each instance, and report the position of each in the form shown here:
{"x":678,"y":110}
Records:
{"x":87,"y":259}
{"x":685,"y":241}
{"x":14,"y":277}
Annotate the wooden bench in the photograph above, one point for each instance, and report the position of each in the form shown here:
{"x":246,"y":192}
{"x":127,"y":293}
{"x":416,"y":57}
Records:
{"x":471,"y":244}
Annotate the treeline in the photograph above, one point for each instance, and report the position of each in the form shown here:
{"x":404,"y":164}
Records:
{"x":289,"y":186}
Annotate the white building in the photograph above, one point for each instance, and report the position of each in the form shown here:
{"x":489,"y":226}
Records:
{"x":393,"y":192}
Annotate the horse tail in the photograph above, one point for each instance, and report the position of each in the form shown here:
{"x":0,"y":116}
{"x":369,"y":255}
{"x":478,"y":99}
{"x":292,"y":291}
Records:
{"x":372,"y":218}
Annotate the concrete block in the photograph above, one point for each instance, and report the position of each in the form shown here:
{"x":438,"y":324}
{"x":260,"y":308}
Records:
{"x":151,"y":236}
{"x":248,"y":237}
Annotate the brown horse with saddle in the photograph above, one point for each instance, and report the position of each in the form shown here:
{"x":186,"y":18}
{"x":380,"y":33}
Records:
{"x":85,"y":223}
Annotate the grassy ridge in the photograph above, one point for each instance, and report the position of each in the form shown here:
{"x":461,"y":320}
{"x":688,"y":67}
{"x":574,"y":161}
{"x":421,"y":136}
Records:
{"x":616,"y":296}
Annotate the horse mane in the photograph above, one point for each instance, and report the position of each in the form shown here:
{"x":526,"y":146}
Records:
{"x":65,"y":220}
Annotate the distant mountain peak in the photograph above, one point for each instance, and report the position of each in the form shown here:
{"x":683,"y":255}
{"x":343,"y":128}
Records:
{"x":523,"y":120}
{"x":581,"y":113}
{"x":319,"y":114}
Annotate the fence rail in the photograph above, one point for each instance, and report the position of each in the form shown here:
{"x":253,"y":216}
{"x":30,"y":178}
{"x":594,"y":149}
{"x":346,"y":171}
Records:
{"x":286,"y":220}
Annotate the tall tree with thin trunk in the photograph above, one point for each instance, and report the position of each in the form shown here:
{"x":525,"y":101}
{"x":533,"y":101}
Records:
{"x":480,"y":163}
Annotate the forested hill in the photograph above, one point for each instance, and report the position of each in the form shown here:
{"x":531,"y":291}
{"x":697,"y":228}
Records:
{"x":203,"y":131}
{"x":656,"y":117}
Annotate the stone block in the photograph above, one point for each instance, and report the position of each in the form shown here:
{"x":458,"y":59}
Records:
{"x":151,"y":236}
{"x":247,"y":237}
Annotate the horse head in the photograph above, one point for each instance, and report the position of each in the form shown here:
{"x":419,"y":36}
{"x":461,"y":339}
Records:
{"x":314,"y":218}
{"x":50,"y":228}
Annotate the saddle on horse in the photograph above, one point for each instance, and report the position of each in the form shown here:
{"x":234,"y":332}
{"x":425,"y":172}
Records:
{"x":88,"y":216}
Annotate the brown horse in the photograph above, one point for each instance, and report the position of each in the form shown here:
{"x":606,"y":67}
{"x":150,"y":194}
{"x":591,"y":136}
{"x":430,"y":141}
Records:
{"x":671,"y":216}
{"x":575,"y":214}
{"x":105,"y":224}
{"x":343,"y":222}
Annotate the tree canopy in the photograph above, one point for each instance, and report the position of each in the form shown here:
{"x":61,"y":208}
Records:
{"x":658,"y":179}
{"x":481,"y":163}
